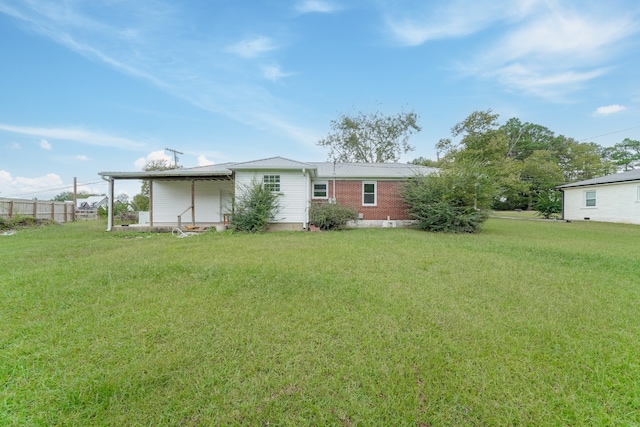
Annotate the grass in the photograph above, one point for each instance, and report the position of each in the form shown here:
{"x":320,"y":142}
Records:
{"x":526,"y":323}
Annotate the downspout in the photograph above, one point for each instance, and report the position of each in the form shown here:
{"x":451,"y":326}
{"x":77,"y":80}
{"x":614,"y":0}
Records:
{"x":110,"y":204}
{"x":307,"y":201}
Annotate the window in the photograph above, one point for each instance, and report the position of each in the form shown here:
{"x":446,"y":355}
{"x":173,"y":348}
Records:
{"x":369,"y":193}
{"x":320,"y":190}
{"x":590,"y":198}
{"x":272,"y":182}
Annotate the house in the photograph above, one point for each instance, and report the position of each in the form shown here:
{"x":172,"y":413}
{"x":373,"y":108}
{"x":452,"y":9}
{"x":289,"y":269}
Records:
{"x":203,"y":196}
{"x":611,"y":198}
{"x":92,"y":203}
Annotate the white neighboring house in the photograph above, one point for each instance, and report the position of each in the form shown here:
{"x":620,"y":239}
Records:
{"x":92,"y":203}
{"x":611,"y":198}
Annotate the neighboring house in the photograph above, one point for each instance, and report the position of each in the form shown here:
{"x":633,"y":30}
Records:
{"x":92,"y":203}
{"x":611,"y":198}
{"x":204,"y":195}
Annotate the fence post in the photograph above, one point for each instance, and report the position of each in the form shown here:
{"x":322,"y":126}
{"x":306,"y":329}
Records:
{"x":35,"y":209}
{"x":53,"y":211}
{"x":10,"y":209}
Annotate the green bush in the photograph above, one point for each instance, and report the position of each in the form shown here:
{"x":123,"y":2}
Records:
{"x":548,"y":203}
{"x":254,"y":209}
{"x":448,"y":201}
{"x":331,"y":216}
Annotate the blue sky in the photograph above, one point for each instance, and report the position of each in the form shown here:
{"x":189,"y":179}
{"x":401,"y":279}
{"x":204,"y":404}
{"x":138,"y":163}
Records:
{"x":106,"y":85}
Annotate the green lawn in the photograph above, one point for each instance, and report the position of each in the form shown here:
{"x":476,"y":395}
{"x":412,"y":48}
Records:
{"x":526,"y":323}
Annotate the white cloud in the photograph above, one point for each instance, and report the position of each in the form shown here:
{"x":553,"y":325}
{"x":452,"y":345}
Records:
{"x":82,"y":158}
{"x":609,"y":109}
{"x":76,"y":135}
{"x":315,"y":6}
{"x":274,"y":73}
{"x":42,"y":187}
{"x":45,"y":145}
{"x":251,"y":48}
{"x":15,"y":146}
{"x":203,"y":161}
{"x":153,"y":156}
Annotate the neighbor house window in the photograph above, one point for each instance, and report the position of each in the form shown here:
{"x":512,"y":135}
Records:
{"x":320,"y":190}
{"x":271,"y":182}
{"x":590,"y":198}
{"x":369,"y":196}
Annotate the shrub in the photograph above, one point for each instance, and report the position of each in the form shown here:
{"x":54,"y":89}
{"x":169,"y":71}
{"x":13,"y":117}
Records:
{"x":448,"y":201}
{"x":548,"y":203}
{"x":331,"y":216}
{"x":254,"y":209}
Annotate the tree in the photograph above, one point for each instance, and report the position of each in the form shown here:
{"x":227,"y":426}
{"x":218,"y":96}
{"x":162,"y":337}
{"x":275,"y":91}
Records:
{"x":153,"y":165}
{"x":370,"y":138}
{"x":452,"y":200}
{"x":254,"y":209}
{"x":582,"y":160}
{"x":624,"y":155}
{"x":525,"y":138}
{"x":540,"y":172}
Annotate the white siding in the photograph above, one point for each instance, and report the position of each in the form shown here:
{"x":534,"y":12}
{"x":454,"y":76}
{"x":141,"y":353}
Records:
{"x":171,"y":198}
{"x":293,"y":196}
{"x":614,"y":203}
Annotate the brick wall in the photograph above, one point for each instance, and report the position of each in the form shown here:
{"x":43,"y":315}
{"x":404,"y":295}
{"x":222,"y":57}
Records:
{"x":389,"y":202}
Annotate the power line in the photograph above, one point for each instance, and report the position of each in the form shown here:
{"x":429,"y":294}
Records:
{"x":47,"y":190}
{"x":610,"y":133}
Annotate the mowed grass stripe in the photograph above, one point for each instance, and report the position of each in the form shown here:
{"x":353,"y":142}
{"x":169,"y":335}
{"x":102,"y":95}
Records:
{"x":527,"y":323}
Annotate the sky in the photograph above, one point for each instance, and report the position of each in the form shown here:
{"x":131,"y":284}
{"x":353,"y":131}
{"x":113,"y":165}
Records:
{"x":108,"y":85}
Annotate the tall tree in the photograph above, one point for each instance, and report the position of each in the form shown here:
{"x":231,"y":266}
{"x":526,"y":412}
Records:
{"x":525,"y":138}
{"x":625,"y":155}
{"x":582,"y":160}
{"x":371,"y":138}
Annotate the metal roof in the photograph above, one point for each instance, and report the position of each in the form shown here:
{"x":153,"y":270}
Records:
{"x":218,"y":170}
{"x":632,"y":175}
{"x":319,"y":169}
{"x":272,"y":163}
{"x":370,"y":170}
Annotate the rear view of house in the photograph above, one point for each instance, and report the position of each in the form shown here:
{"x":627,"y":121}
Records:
{"x":204,"y":195}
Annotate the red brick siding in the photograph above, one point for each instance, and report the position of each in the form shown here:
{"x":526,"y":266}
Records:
{"x":389,"y":202}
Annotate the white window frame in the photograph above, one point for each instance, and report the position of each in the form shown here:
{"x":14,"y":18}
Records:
{"x":375,"y":193}
{"x":326,"y":190}
{"x":271,"y":182}
{"x":587,"y":199}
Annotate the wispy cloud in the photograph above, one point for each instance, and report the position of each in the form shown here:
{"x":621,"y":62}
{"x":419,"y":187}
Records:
{"x":609,"y":109}
{"x":274,"y":73}
{"x":76,"y":135}
{"x":315,"y":6}
{"x":546,"y":48}
{"x":82,"y":158}
{"x":253,"y":47}
{"x":201,"y":70}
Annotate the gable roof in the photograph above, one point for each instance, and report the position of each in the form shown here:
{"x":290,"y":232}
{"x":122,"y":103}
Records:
{"x":632,"y":175}
{"x":92,"y":201}
{"x":272,"y":163}
{"x":370,"y":170}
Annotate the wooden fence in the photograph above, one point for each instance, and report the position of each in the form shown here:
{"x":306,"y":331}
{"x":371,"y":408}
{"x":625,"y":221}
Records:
{"x":57,"y":211}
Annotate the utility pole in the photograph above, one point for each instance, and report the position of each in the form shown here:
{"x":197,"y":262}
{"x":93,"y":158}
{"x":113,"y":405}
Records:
{"x":175,"y":155}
